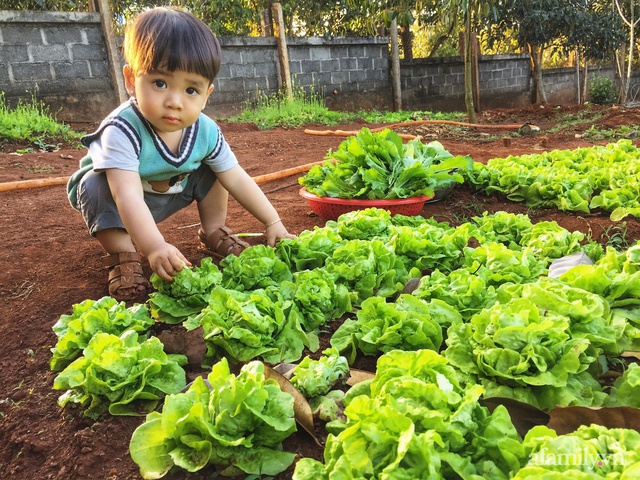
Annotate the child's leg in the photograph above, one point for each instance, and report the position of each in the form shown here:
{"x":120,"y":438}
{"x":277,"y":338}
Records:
{"x":126,"y":277}
{"x":216,"y":239}
{"x":213,"y":209}
{"x":115,"y":240}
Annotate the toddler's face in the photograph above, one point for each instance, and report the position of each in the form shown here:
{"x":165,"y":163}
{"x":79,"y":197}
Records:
{"x":170,"y":101}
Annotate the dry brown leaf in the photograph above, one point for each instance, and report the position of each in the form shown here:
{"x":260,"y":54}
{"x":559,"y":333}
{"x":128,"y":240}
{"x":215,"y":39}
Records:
{"x":302,"y":410}
{"x":630,"y":354}
{"x":357,"y":376}
{"x":185,"y":342}
{"x":567,"y":419}
{"x":286,"y":369}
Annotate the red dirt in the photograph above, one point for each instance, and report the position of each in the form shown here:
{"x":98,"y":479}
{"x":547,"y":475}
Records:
{"x":50,"y":263}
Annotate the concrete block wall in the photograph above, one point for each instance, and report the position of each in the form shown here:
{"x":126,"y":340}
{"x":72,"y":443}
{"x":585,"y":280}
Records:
{"x":349,"y":73}
{"x":560,"y":84}
{"x":437,"y":84}
{"x":60,"y":57}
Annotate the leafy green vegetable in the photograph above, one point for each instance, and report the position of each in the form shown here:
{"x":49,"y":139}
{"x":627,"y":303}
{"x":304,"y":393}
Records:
{"x":517,"y":344}
{"x":379,"y":166}
{"x":418,"y":420}
{"x":365,"y":224}
{"x":90,"y":317}
{"x":503,"y":227}
{"x":256,"y":267}
{"x":327,"y":407}
{"x":468,"y":293}
{"x":616,"y":278}
{"x":367,"y":268}
{"x":626,"y":389}
{"x":591,"y":452}
{"x":310,"y":249}
{"x":186,"y":295}
{"x":583,"y":179}
{"x":317,"y":297}
{"x":249,"y":325}
{"x":317,"y":377}
{"x":236,"y":423}
{"x":406,"y":324}
{"x":497,"y":264}
{"x":121,"y":375}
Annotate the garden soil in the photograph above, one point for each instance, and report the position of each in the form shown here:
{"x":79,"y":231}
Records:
{"x":48,"y":263}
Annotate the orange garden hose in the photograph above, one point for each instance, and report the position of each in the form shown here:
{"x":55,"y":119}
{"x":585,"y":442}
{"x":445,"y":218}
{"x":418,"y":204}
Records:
{"x":35,"y":183}
{"x":51,"y":181}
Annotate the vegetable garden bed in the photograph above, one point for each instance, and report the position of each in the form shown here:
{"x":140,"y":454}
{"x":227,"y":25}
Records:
{"x":51,"y":264}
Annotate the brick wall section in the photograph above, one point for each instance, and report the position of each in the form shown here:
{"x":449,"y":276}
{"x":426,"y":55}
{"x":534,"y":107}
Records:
{"x":561,"y":86}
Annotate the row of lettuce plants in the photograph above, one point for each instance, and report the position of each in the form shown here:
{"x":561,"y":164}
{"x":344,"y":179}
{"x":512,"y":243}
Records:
{"x":484,"y":321}
{"x":580,"y":180}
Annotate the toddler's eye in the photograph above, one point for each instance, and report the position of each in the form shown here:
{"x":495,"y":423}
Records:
{"x":159,"y":83}
{"x":192,"y":91}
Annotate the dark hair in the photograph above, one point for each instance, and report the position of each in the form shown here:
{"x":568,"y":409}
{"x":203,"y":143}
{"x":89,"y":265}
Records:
{"x":171,"y":39}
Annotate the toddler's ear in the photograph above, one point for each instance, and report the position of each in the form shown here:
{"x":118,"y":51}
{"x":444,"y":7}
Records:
{"x":207,"y":98}
{"x":129,"y":80}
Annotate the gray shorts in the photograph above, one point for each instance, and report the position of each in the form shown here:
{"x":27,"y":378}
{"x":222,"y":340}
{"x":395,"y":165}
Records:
{"x":100,"y":212}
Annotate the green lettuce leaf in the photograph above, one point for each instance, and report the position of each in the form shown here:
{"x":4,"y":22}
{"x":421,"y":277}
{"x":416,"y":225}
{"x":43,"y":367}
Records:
{"x":257,"y":267}
{"x":121,"y":375}
{"x":626,"y":389}
{"x":380,"y":327}
{"x":236,"y":423}
{"x":318,"y":377}
{"x":188,"y":293}
{"x":90,"y":317}
{"x":250,"y":325}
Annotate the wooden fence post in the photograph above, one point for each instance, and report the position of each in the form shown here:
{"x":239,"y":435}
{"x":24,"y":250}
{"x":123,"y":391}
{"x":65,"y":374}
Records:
{"x":395,"y":67}
{"x":112,"y":49}
{"x":283,"y":54}
{"x":475,"y":69}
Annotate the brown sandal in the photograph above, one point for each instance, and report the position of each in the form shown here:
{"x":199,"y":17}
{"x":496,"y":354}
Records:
{"x":126,"y":278}
{"x":221,"y":243}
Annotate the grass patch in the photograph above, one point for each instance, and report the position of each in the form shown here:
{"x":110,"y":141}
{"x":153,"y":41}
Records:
{"x":31,"y":123}
{"x":572,"y":119}
{"x":624,"y":131}
{"x":276,"y":110}
{"x":270,"y":111}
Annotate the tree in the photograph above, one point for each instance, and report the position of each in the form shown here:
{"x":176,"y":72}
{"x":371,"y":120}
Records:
{"x":595,"y":34}
{"x":474,"y":13}
{"x":564,"y":25}
{"x":537,"y":25}
{"x":630,"y":18}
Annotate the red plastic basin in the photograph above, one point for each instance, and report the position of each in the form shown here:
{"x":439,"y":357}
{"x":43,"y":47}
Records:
{"x":330,"y":208}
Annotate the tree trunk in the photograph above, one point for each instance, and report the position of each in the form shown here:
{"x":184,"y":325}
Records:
{"x":283,"y":52}
{"x":441,"y":39}
{"x":407,"y":42}
{"x":632,"y":38}
{"x":395,"y":67}
{"x":539,"y":95}
{"x":475,"y":71}
{"x":468,"y":69}
{"x":585,"y":83}
{"x":579,"y":91}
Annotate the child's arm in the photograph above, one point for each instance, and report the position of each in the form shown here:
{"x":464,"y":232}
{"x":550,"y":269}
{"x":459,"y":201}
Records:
{"x":247,"y":192}
{"x":126,"y":189}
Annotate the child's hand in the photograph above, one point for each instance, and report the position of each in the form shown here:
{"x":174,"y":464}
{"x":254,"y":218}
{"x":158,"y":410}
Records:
{"x":166,"y":260}
{"x":276,"y":231}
